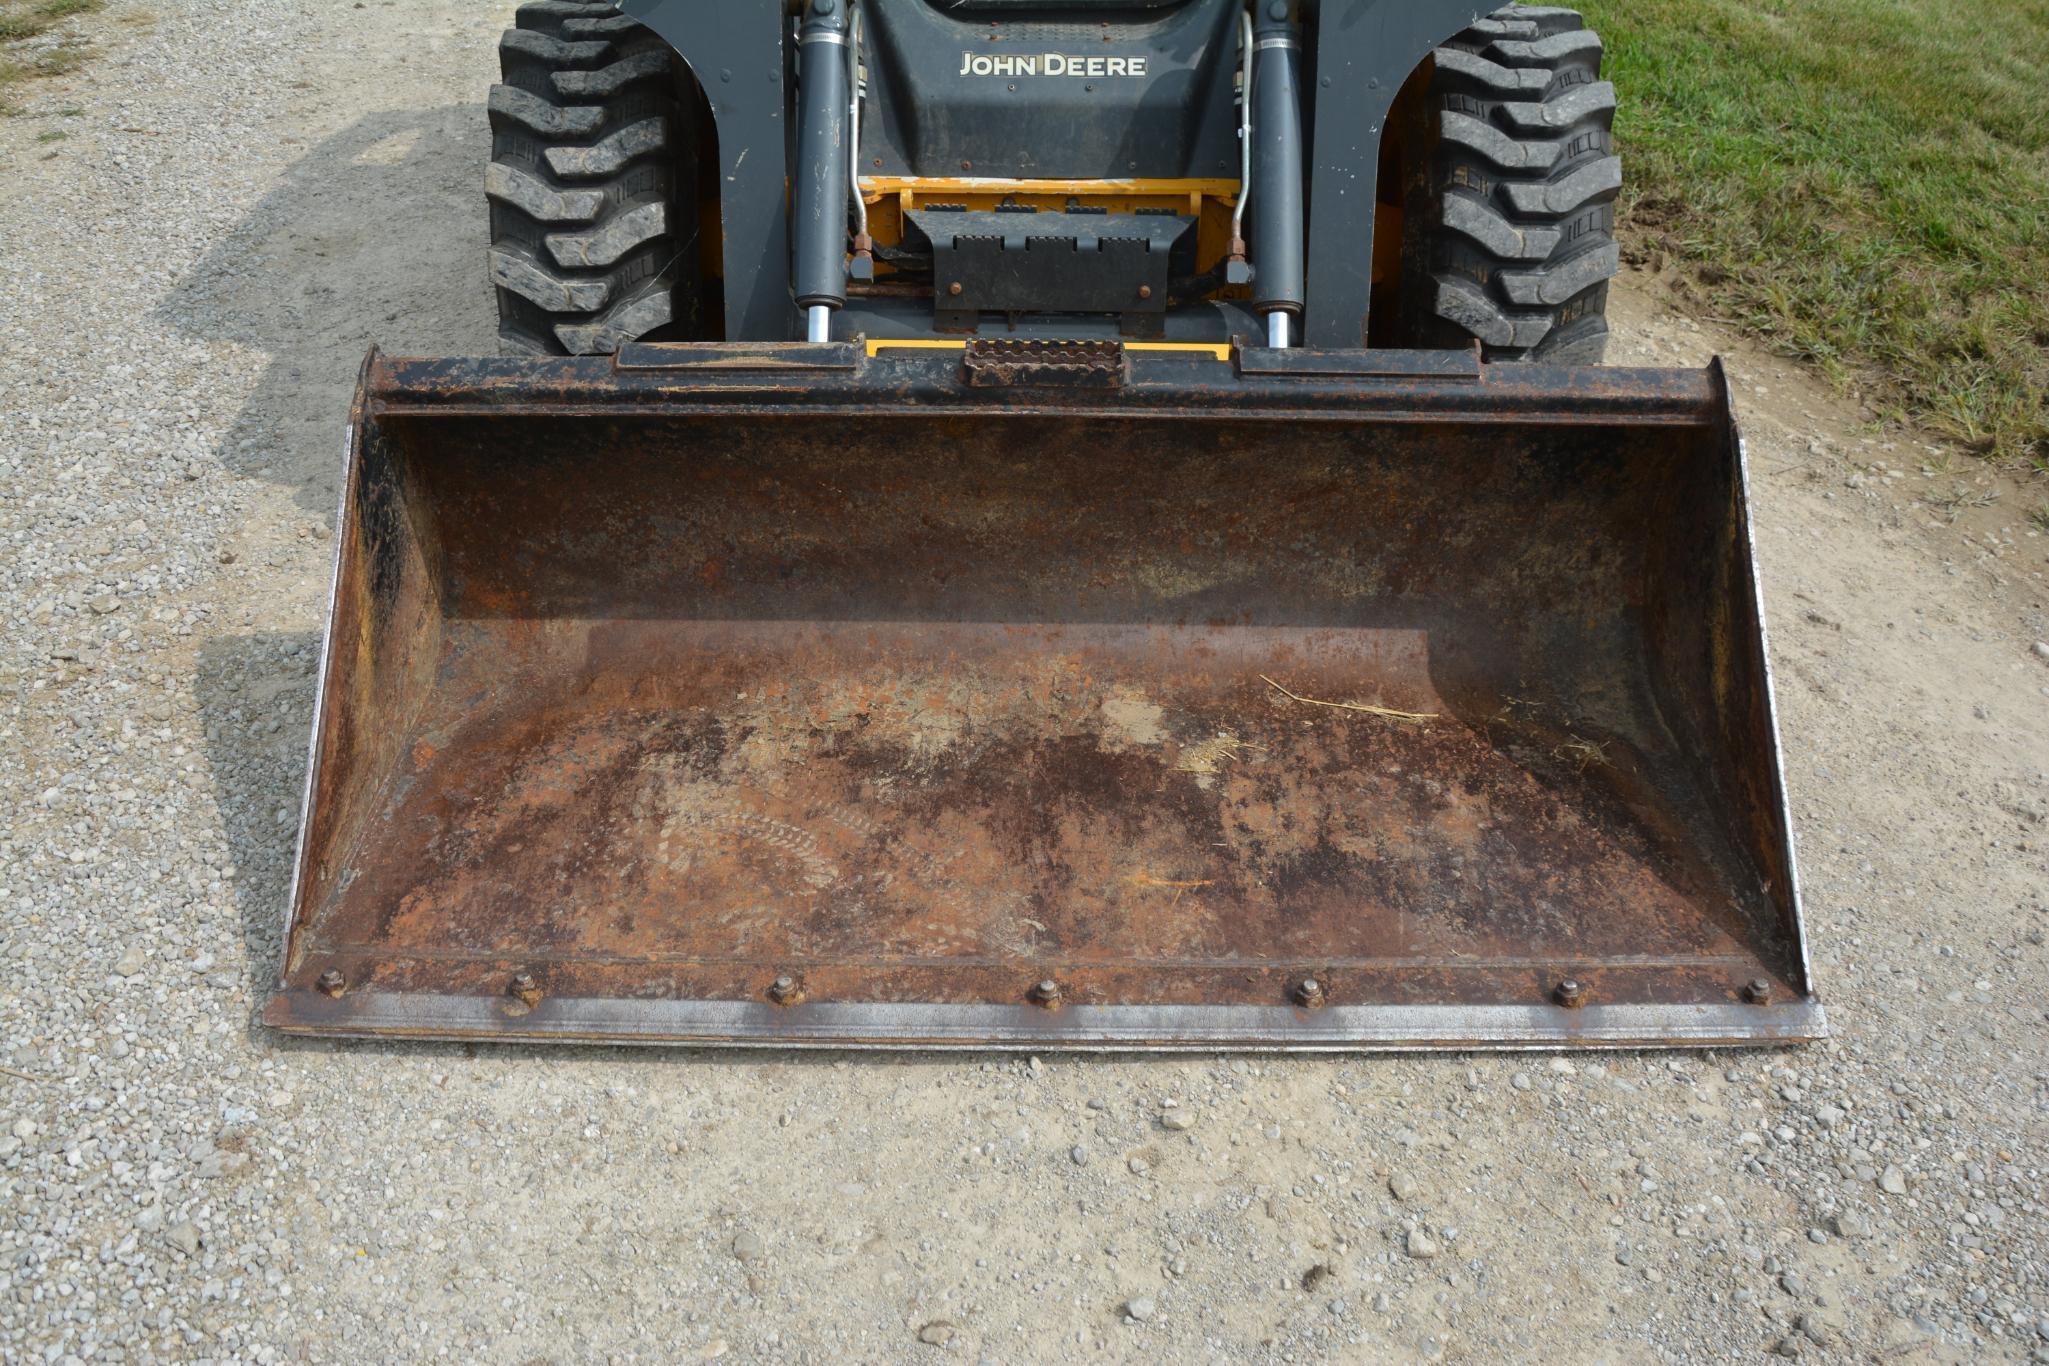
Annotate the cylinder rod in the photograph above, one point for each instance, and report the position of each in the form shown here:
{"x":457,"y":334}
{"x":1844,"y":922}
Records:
{"x":820,"y":175}
{"x":1277,"y":159}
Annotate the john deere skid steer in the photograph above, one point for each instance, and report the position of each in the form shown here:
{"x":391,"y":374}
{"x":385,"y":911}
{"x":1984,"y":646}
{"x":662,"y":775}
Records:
{"x":1047,"y":523}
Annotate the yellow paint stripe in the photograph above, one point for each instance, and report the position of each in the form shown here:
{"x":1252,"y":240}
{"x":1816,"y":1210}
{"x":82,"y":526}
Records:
{"x":877,"y":345}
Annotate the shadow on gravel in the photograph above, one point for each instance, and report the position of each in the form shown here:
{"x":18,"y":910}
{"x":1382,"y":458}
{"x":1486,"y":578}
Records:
{"x":255,"y":696}
{"x":376,"y":235}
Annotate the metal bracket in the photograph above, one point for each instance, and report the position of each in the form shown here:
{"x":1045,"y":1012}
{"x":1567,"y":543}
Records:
{"x":1302,"y":363}
{"x":739,"y":356}
{"x":739,"y":53}
{"x":1360,"y":54}
{"x":1006,"y":261}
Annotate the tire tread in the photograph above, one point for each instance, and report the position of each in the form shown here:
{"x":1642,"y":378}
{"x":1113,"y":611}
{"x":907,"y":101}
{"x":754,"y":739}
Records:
{"x":1516,"y":245}
{"x":587,"y":229}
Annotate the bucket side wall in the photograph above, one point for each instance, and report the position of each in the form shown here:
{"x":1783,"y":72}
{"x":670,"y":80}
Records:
{"x":1713,"y":682}
{"x":383,"y":644}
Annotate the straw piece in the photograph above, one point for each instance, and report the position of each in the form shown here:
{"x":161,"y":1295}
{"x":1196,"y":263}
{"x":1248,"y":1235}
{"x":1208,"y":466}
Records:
{"x":1351,"y":706}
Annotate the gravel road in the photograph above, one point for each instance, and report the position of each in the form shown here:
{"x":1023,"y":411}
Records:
{"x":247,"y":193}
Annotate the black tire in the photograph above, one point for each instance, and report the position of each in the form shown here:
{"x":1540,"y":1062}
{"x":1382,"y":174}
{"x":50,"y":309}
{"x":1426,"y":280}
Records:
{"x":592,"y":238}
{"x":1509,"y":222}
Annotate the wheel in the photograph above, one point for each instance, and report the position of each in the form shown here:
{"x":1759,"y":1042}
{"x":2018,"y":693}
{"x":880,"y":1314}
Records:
{"x":1509,"y":205}
{"x":592,"y":144}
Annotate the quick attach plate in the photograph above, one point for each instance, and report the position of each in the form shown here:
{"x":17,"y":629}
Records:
{"x":1020,"y":260}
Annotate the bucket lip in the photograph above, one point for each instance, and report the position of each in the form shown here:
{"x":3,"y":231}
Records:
{"x":1089,"y":1028}
{"x":693,"y":380}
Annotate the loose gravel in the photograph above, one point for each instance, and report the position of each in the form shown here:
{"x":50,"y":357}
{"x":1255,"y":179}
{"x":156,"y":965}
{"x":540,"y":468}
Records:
{"x":248,"y":193}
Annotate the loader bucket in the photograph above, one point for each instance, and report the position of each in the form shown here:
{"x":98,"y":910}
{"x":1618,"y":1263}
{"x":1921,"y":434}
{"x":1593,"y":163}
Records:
{"x":1044,"y":697}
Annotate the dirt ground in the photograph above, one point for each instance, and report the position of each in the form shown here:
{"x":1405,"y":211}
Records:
{"x":251,"y":193}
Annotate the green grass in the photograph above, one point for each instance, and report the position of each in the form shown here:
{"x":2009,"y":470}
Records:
{"x":1862,"y":183}
{"x":22,"y":20}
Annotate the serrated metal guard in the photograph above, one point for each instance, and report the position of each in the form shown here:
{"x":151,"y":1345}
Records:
{"x":996,"y":362}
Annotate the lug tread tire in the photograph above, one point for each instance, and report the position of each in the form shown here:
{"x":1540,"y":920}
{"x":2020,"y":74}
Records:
{"x":588,"y":136}
{"x":1511,"y":215}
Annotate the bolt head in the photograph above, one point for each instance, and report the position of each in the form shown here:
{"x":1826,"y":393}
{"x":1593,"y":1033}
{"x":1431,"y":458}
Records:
{"x":1045,"y":992}
{"x":331,"y":983}
{"x":1308,"y":992}
{"x":1145,"y":291}
{"x":1758,"y":991}
{"x":1571,"y":992}
{"x":784,"y":990}
{"x":954,"y":289}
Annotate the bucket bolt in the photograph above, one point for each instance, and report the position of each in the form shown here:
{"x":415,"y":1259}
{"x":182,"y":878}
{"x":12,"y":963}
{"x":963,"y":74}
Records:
{"x":1308,"y":993}
{"x":1045,"y":992}
{"x":785,"y":990}
{"x":1758,"y":991}
{"x":1570,"y":993}
{"x":331,"y":983}
{"x":524,"y":989}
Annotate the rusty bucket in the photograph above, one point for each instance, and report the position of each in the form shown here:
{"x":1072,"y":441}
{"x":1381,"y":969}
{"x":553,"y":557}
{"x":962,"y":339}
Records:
{"x":809,"y":696}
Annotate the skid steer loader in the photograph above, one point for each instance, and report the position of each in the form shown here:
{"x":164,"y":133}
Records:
{"x":1047,"y":524}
